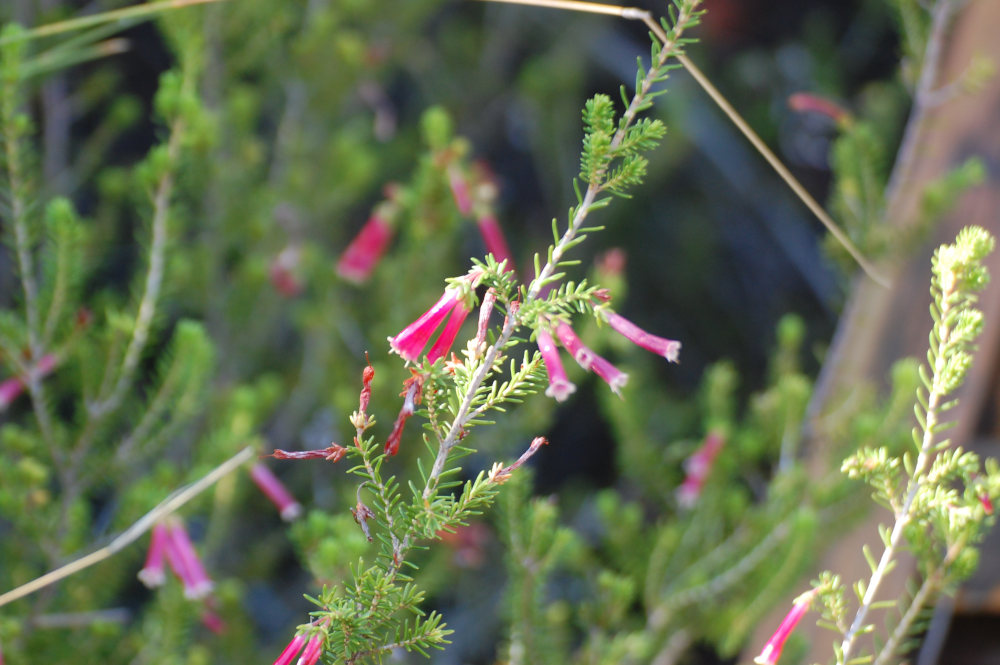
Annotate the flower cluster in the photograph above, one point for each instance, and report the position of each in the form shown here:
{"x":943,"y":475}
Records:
{"x":454,"y":305}
{"x":560,"y":387}
{"x":474,"y":191}
{"x":170,"y":543}
{"x":310,"y":654}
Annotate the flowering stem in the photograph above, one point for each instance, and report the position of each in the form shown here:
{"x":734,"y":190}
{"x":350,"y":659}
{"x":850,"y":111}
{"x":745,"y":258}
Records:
{"x":169,"y":505}
{"x":903,"y":515}
{"x":931,"y":585}
{"x":669,"y":47}
{"x":25,"y":259}
{"x":139,"y":12}
{"x":797,"y":188}
{"x":154,"y":279}
{"x":720,"y":583}
{"x":941,"y":17}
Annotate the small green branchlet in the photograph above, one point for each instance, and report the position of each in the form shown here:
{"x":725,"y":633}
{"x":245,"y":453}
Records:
{"x":940,"y":496}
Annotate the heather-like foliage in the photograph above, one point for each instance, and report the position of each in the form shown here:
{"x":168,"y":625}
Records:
{"x":180,"y":327}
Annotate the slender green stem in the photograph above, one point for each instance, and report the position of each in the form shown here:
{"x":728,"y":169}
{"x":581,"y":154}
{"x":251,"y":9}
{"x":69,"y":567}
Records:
{"x":148,"y":10}
{"x":635,"y":13}
{"x":142,"y":525}
{"x":916,"y":482}
{"x":793,"y":183}
{"x":9,"y":120}
{"x":930,"y":586}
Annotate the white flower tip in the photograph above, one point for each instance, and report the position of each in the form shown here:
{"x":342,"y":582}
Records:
{"x":199,"y":590}
{"x":766,"y":656}
{"x":584,"y":358}
{"x":618,"y":383}
{"x":560,"y":390}
{"x":353,"y":274}
{"x":152,"y":577}
{"x":673,"y":352}
{"x":291,"y":512}
{"x":686,"y":497}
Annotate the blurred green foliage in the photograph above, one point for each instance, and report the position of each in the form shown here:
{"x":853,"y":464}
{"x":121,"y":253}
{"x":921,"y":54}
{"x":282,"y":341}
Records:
{"x":240,"y":147}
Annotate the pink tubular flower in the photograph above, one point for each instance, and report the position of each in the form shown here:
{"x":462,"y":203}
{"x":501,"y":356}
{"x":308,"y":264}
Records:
{"x":807,"y":102}
{"x":668,"y":348}
{"x":410,"y":342}
{"x":360,"y":257}
{"x":313,"y":650}
{"x":614,"y":377}
{"x":496,"y":244}
{"x":772,"y":650}
{"x":559,"y":386}
{"x":288,"y":507}
{"x":698,"y":467}
{"x":450,"y":332}
{"x":581,"y":354}
{"x":152,"y":574}
{"x":12,"y":388}
{"x":185,"y":563}
{"x":292,"y":650}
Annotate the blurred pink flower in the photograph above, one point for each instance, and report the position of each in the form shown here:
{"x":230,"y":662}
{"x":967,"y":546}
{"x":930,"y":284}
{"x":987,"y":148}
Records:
{"x":287,"y":506}
{"x":359,"y":259}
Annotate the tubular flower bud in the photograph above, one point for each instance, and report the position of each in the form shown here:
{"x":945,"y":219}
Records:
{"x":772,"y":650}
{"x":559,"y":386}
{"x":152,"y":574}
{"x":411,"y":397}
{"x":185,"y":563}
{"x":361,"y":256}
{"x":366,"y":386}
{"x":668,"y":348}
{"x":287,"y":506}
